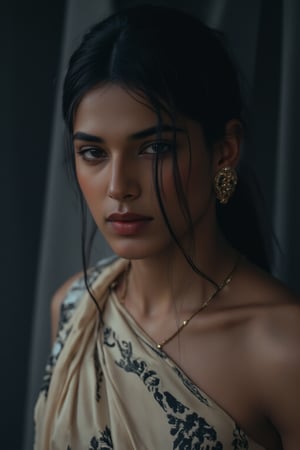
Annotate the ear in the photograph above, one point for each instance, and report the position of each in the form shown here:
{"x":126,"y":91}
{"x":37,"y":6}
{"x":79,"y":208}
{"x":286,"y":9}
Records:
{"x":227,"y":150}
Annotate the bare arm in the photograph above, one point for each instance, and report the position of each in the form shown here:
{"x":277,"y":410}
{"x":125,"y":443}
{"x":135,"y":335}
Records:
{"x":280,"y":378}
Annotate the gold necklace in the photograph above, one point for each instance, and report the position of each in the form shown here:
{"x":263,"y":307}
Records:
{"x":224,"y":283}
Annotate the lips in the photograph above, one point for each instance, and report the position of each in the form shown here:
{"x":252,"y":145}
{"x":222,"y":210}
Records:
{"x":128,"y":224}
{"x":126,"y":217}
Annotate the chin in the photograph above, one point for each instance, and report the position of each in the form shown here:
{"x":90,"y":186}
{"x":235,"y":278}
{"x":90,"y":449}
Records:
{"x":131,"y":254}
{"x":138,"y":250}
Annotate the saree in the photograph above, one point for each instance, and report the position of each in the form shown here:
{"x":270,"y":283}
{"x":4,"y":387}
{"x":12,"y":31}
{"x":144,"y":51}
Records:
{"x":107,"y":386}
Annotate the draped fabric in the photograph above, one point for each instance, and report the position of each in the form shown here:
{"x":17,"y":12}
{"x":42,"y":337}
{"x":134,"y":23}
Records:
{"x":265,"y":40}
{"x":107,"y":386}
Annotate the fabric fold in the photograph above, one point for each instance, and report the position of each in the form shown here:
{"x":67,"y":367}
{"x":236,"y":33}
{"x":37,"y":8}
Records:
{"x":111,"y":388}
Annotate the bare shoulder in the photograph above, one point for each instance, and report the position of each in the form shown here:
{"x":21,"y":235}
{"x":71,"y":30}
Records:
{"x":57,"y":300}
{"x":273,"y":334}
{"x":274,"y":313}
{"x":276,"y":368}
{"x":261,"y":288}
{"x":276,"y":330}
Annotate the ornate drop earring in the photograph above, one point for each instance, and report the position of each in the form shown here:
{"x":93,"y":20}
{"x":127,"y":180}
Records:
{"x":224,"y":184}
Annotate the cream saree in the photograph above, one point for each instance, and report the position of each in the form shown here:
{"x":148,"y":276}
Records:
{"x":108,"y":387}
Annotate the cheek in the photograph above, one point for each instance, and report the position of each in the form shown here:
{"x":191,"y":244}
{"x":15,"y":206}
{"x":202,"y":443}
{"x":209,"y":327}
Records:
{"x":90,"y":184}
{"x":167,"y":185}
{"x":173,"y":178}
{"x":196,"y":184}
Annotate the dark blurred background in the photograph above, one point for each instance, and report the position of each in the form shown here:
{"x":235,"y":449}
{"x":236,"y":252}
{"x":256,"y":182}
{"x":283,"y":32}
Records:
{"x":31,"y":34}
{"x":39,"y":230}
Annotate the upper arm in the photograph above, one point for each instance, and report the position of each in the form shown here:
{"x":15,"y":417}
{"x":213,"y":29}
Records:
{"x":285,"y":404}
{"x":56,"y":302}
{"x":280,"y":379}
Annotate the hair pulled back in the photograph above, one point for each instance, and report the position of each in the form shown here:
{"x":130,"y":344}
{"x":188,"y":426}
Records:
{"x":177,"y":64}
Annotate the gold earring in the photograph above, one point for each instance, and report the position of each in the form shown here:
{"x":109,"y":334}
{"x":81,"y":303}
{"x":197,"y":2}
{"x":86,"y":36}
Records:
{"x":224,"y":183}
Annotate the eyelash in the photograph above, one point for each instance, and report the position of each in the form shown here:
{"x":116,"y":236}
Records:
{"x":160,"y":148}
{"x":84,"y":151}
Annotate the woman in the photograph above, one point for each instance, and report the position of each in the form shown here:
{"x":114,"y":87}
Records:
{"x":188,"y":343}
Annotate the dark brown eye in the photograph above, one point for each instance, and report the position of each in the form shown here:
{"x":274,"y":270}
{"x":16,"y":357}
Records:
{"x":157,"y":148}
{"x":92,"y":153}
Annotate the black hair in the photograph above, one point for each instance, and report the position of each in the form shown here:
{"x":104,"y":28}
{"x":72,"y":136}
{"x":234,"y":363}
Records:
{"x":176,"y":64}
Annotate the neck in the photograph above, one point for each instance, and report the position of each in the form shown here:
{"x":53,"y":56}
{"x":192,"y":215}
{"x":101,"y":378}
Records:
{"x":154,"y":284}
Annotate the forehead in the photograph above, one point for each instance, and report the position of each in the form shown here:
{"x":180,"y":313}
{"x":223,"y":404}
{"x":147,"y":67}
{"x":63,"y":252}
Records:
{"x":112,"y":107}
{"x":113,"y":114}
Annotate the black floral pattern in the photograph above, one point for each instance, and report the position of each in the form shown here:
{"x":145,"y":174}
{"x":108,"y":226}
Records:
{"x":104,"y":442}
{"x":98,"y":373}
{"x":191,"y":387}
{"x":240,"y":441}
{"x":190,"y":431}
{"x":74,"y":295}
{"x":193,"y":432}
{"x":56,"y":350}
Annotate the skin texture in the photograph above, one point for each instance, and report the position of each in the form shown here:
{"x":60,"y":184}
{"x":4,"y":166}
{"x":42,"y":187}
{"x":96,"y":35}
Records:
{"x":124,"y":171}
{"x":243,"y":349}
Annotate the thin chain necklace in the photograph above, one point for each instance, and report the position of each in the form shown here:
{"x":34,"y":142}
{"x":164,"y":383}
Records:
{"x":185,"y":322}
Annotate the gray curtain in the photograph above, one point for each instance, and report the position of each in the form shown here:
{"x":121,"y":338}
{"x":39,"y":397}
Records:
{"x":287,"y":158}
{"x":59,"y":255}
{"x":264,"y":40}
{"x":30,"y":36}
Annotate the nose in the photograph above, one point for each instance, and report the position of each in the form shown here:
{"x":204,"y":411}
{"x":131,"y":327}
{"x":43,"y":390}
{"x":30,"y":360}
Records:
{"x":123,"y":181}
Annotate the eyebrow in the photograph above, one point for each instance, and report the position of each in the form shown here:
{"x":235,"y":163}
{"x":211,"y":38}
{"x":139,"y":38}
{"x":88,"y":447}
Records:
{"x":81,"y":136}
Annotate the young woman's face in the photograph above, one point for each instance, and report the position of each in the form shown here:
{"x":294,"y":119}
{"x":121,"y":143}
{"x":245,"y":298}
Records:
{"x":115,"y":142}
